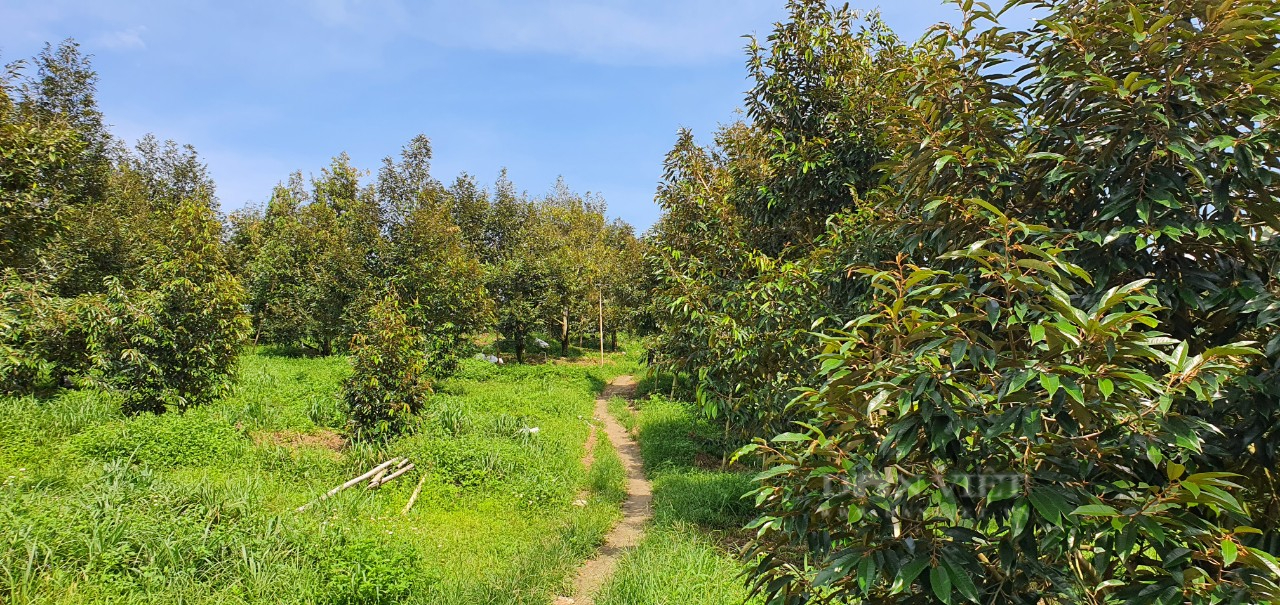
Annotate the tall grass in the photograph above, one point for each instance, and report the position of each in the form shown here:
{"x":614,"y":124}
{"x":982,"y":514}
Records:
{"x":197,"y":507}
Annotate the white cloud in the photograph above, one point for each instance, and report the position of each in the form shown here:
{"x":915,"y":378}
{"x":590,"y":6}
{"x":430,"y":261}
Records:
{"x":126,"y":39}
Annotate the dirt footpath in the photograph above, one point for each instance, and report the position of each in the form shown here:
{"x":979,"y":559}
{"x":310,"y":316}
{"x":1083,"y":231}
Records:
{"x":636,"y":509}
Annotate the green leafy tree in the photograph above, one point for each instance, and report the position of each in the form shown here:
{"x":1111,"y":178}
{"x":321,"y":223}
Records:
{"x":320,"y":255}
{"x":433,"y":269}
{"x":390,"y":380}
{"x":519,"y":288}
{"x":824,"y":89}
{"x":173,"y":343}
{"x":43,"y":337}
{"x":407,"y":185}
{"x":1143,"y":477}
{"x":506,"y":222}
{"x":36,"y":161}
{"x":469,"y":207}
{"x":64,"y":90}
{"x":24,"y":305}
{"x":247,"y":229}
{"x":1144,"y":133}
{"x":517,"y":276}
{"x":569,"y":237}
{"x":170,"y":174}
{"x":759,"y":229}
{"x":118,"y":236}
{"x":623,"y":296}
{"x":277,"y":272}
{"x":1150,"y":129}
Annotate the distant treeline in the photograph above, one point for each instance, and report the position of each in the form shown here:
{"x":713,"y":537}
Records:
{"x":118,"y":268}
{"x":463,"y":259}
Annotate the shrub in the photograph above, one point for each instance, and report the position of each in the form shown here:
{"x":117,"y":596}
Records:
{"x":390,"y":379}
{"x":174,"y":344}
{"x":21,"y":364}
{"x":42,"y":337}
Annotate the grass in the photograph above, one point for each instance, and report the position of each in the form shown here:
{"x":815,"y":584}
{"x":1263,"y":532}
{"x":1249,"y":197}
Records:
{"x":676,"y":564}
{"x":197,"y":507}
{"x":607,"y":477}
{"x":687,"y":555}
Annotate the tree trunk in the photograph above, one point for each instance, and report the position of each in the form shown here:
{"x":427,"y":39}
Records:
{"x":613,"y":340}
{"x":519,"y":347}
{"x":601,"y":299}
{"x":564,"y":332}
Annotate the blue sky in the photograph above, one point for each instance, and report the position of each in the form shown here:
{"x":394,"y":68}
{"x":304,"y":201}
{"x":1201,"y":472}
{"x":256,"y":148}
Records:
{"x":593,"y":91}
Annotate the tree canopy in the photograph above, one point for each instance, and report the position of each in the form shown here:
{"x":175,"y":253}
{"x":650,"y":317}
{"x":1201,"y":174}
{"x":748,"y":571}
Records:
{"x":994,"y":309}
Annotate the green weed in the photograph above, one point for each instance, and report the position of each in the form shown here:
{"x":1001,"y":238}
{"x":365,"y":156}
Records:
{"x":197,"y":507}
{"x":706,"y":498}
{"x":194,"y":437}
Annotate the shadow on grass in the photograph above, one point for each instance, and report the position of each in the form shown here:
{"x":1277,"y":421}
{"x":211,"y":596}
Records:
{"x":287,"y":351}
{"x":598,"y":384}
{"x":670,"y":386}
{"x":667,"y":441}
{"x":534,"y":354}
{"x":708,"y":498}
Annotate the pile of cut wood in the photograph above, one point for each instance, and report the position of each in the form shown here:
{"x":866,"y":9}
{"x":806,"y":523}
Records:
{"x":377,"y":477}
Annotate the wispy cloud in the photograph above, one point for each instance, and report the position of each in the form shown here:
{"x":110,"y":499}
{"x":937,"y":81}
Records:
{"x":125,"y":39}
{"x":656,"y":32}
{"x":605,"y":32}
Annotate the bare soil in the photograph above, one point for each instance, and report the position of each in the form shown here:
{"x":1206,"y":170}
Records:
{"x":323,"y":438}
{"x":637,"y":509}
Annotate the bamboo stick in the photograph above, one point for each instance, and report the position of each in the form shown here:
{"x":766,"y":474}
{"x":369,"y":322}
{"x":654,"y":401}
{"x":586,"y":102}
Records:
{"x":414,"y":497}
{"x":357,"y":480}
{"x":374,"y":481}
{"x":377,"y":479}
{"x":393,"y":476}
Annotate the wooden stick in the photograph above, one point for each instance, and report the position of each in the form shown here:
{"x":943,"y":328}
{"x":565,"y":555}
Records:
{"x":377,"y":479}
{"x":414,"y":498}
{"x":393,"y":476}
{"x":357,"y":480}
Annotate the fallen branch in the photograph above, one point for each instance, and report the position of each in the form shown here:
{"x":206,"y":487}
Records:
{"x":356,"y":481}
{"x":384,"y":480}
{"x":414,"y":498}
